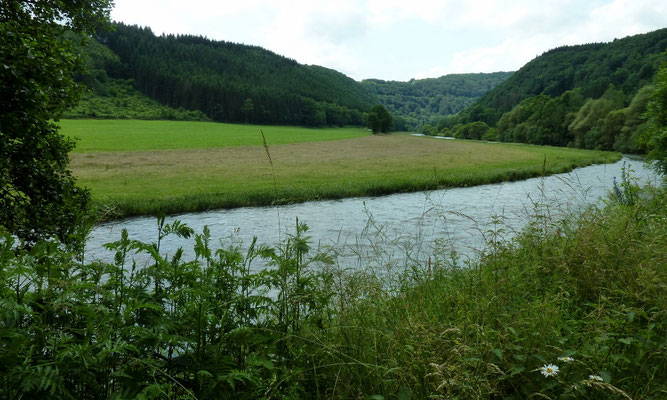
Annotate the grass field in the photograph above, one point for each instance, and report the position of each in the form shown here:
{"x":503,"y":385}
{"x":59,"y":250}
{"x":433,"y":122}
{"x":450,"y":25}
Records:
{"x":226,"y":165}
{"x":137,"y":135}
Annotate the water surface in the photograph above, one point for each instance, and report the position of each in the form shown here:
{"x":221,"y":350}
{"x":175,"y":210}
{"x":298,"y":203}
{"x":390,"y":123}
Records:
{"x":391,"y":230}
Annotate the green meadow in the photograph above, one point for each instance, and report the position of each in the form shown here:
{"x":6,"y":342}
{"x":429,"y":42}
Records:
{"x":142,"y":167}
{"x":137,"y":135}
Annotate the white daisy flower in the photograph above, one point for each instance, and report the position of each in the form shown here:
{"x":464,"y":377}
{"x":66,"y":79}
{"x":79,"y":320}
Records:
{"x":566,"y":359}
{"x":549,"y":370}
{"x":595,"y":378}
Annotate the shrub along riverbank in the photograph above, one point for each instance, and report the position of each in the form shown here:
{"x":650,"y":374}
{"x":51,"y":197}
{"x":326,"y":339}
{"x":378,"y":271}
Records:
{"x":572,"y":308}
{"x":188,"y":166}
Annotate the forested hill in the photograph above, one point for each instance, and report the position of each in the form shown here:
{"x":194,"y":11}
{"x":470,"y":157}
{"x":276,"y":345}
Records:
{"x":421,"y":101}
{"x":628,"y":64}
{"x":233,"y":82}
{"x":594,"y":96}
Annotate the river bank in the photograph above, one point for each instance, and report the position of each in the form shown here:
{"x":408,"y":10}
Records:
{"x":230,"y":167}
{"x":394,"y":228}
{"x":572,"y":307}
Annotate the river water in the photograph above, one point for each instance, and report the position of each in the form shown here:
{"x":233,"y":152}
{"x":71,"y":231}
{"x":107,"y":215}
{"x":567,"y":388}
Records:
{"x":396,"y":230}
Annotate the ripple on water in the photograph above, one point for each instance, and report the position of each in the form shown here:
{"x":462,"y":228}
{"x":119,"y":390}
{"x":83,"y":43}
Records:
{"x":400,"y":225}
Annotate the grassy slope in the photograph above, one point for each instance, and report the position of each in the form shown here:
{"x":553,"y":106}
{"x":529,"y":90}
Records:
{"x":119,"y":99}
{"x":226,"y":166}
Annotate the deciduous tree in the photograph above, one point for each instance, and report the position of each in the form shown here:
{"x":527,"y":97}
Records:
{"x":658,"y":115}
{"x":38,"y":195}
{"x":379,"y":120}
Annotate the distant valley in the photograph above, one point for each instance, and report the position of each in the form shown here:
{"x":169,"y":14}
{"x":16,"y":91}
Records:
{"x":590,"y":96}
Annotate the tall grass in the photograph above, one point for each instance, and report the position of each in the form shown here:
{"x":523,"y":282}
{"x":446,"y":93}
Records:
{"x":146,"y":167}
{"x":591,"y":288}
{"x":130,"y":184}
{"x":586,"y":294}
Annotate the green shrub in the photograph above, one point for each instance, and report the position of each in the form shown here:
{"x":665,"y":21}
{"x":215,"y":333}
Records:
{"x":572,"y":308}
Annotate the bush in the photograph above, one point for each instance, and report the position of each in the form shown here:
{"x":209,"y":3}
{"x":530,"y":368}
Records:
{"x":572,"y":307}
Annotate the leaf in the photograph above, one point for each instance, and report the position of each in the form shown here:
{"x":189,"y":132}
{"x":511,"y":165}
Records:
{"x":240,"y":335}
{"x":606,"y":376}
{"x":498,"y":353}
{"x":260,"y":362}
{"x":204,"y":375}
{"x":627,"y":340}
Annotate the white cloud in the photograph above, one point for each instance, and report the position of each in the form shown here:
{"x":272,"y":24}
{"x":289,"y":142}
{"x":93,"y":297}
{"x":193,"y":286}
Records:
{"x":503,"y":57}
{"x":621,"y":18}
{"x":395,"y":39}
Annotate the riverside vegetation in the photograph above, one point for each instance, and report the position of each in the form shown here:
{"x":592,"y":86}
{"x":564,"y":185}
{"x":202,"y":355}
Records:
{"x":571,"y":308}
{"x":131,"y":166}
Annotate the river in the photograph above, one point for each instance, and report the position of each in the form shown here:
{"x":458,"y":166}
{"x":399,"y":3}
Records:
{"x":396,"y":230}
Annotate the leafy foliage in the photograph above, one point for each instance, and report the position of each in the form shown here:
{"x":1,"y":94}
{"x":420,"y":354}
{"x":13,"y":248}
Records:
{"x":38,"y":196}
{"x":203,"y":328}
{"x":585,"y":294}
{"x":121,"y":100}
{"x":657,"y":138}
{"x":379,"y":120}
{"x":474,"y":130}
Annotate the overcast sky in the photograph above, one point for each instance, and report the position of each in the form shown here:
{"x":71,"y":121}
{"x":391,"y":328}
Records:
{"x":401,"y":39}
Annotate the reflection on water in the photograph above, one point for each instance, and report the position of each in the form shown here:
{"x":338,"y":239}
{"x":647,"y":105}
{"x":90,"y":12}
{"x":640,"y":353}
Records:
{"x":394,"y":229}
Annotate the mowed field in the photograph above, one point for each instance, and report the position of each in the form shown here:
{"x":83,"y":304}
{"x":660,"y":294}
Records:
{"x":137,"y":135}
{"x":227,"y":165}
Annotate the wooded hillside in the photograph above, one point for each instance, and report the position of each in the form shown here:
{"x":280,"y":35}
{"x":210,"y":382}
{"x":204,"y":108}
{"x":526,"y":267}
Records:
{"x":233,"y":82}
{"x":628,"y":64}
{"x":420,"y":101}
{"x":593,"y":96}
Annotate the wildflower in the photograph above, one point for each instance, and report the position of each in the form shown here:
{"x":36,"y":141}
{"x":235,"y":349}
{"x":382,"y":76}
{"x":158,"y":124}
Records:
{"x":549,"y":370}
{"x":566,"y":359}
{"x":595,"y":378}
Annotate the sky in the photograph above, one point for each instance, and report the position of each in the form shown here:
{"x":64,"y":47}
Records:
{"x":401,"y":39}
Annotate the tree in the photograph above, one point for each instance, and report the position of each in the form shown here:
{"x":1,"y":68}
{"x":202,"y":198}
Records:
{"x":474,"y":130}
{"x":657,"y":111}
{"x":379,"y":120}
{"x":38,"y":195}
{"x":586,"y":128}
{"x":248,"y":106}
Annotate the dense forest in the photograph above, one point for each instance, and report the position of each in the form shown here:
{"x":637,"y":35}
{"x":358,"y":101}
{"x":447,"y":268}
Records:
{"x":227,"y":81}
{"x":131,"y":73}
{"x":591,"y":96}
{"x":421,"y":101}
